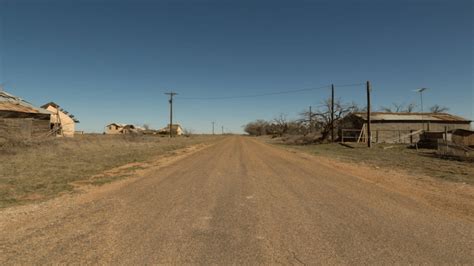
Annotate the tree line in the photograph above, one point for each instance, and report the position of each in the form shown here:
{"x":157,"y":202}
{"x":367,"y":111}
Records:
{"x":319,"y":120}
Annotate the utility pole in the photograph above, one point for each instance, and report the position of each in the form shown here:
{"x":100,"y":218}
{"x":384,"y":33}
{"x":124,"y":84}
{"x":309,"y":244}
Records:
{"x":369,"y":133}
{"x":310,"y":120}
{"x":171,"y":94}
{"x":332,"y":112}
{"x":222,"y":130}
{"x":213,"y":127}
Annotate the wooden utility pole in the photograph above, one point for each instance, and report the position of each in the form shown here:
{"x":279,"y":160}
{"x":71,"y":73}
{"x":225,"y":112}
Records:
{"x":171,"y":94}
{"x":222,"y":130}
{"x":369,"y":133}
{"x":310,"y":120}
{"x":332,"y":112}
{"x":213,"y":127}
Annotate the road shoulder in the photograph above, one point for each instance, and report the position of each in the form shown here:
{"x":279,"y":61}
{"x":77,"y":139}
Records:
{"x":89,"y":192}
{"x":454,"y":198}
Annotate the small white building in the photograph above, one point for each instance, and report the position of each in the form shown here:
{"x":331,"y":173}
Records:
{"x":61,"y":122}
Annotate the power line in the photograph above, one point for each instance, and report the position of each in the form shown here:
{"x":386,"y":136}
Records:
{"x":269,"y":93}
{"x":350,"y":85}
{"x":254,"y":95}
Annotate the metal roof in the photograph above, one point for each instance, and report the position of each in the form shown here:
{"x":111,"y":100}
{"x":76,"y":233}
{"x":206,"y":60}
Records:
{"x":386,"y":116}
{"x":12,"y":103}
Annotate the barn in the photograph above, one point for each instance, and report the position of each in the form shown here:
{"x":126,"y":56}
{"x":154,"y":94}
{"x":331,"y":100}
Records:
{"x":62,"y":122}
{"x":389,"y":127}
{"x":19,"y":119}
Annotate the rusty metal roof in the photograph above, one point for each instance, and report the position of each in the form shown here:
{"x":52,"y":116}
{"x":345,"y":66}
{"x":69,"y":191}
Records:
{"x":12,"y":103}
{"x":387,"y":116}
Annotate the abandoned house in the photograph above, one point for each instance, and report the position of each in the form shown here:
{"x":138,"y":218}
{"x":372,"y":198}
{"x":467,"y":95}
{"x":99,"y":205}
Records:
{"x":177,"y":130}
{"x":19,"y":119}
{"x":62,"y":123}
{"x":118,"y":128}
{"x":398,"y":127}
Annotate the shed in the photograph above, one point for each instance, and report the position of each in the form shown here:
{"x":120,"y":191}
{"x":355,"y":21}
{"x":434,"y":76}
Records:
{"x":396,"y":127}
{"x":62,"y":122}
{"x":19,"y":119}
{"x":463,"y":136}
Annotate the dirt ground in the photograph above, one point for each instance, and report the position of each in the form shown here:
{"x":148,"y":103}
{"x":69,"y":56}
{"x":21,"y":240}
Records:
{"x":242,"y":201}
{"x":422,"y":162}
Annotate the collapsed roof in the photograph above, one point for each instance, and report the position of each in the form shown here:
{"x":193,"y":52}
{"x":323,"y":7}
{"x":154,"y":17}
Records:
{"x":15,"y":105}
{"x":53,"y":104}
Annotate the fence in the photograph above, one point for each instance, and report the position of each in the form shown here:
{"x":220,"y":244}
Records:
{"x":450,"y":149}
{"x":381,"y":135}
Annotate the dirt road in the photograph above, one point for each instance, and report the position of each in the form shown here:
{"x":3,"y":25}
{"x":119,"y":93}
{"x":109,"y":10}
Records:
{"x":238,"y":201}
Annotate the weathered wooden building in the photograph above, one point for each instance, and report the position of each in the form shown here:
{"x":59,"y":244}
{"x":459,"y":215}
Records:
{"x":62,"y":122}
{"x":463,"y":137}
{"x":177,"y":130}
{"x":397,"y":127}
{"x":19,"y":119}
{"x":118,"y":128}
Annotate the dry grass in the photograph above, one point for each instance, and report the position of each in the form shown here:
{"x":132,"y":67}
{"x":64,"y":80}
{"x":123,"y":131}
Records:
{"x":398,"y":157}
{"x":32,"y":171}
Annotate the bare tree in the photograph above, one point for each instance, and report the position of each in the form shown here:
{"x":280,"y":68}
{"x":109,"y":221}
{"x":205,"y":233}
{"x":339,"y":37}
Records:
{"x":281,"y":124}
{"x":398,"y":107}
{"x":410,"y":108}
{"x":355,"y":108}
{"x":322,"y":115}
{"x":306,"y":122}
{"x":146,"y":126}
{"x":257,"y":128}
{"x":387,"y":109}
{"x":438,"y":109}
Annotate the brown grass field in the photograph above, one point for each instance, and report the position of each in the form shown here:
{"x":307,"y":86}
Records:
{"x":39,"y":170}
{"x":394,"y":157}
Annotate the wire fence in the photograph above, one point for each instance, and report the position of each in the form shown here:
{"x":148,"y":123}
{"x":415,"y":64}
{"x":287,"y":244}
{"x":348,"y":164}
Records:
{"x":451,"y":149}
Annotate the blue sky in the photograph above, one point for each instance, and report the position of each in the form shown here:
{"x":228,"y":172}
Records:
{"x":111,"y":61}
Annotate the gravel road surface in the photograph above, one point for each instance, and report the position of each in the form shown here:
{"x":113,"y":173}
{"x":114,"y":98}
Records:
{"x":239,"y":201}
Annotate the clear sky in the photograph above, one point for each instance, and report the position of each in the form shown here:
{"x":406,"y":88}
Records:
{"x":111,"y":61}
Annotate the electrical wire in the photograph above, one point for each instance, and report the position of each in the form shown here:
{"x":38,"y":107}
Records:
{"x":254,"y":95}
{"x":269,"y":93}
{"x":349,"y":85}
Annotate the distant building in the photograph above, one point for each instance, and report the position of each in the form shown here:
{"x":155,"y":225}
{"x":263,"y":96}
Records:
{"x":62,"y":123}
{"x":19,"y":119}
{"x":392,"y":127}
{"x":177,"y":130}
{"x":118,"y":128}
